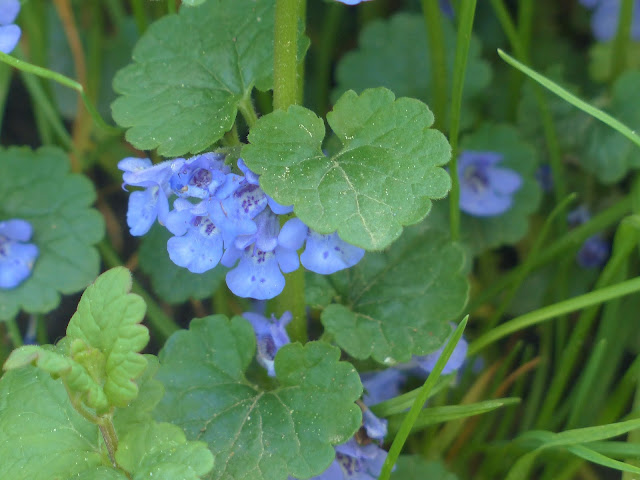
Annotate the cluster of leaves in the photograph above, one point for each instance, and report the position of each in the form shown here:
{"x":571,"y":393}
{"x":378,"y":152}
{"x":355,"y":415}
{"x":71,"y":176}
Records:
{"x":374,"y":171}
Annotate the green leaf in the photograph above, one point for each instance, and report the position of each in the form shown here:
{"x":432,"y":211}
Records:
{"x":182,"y":96}
{"x":161,"y":451}
{"x":482,"y":233}
{"x":398,"y":303}
{"x":172,"y":283}
{"x":376,"y":62}
{"x":36,"y":186}
{"x":98,"y":358}
{"x":44,"y":438}
{"x":383,"y":178}
{"x":150,"y":392}
{"x":37,"y":423}
{"x":415,"y":467}
{"x":257,"y":434}
{"x":606,"y":152}
{"x":105,"y":335}
{"x":76,"y":377}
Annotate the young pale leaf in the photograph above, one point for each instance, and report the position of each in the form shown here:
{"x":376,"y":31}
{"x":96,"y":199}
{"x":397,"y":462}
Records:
{"x":384,"y":177}
{"x":376,"y":62}
{"x":607,"y":153}
{"x":37,"y":422}
{"x":74,"y":374}
{"x":37,"y":187}
{"x":257,"y":434}
{"x":191,"y":71}
{"x":105,"y":335}
{"x":172,"y":283}
{"x":161,"y":451}
{"x":398,"y":303}
{"x":482,"y":233}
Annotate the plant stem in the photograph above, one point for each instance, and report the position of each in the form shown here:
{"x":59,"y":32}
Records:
{"x":110,"y":437}
{"x":285,"y":68}
{"x":247,"y":111}
{"x":467,"y":12}
{"x":439,"y":74}
{"x":285,"y":94}
{"x":14,"y":332}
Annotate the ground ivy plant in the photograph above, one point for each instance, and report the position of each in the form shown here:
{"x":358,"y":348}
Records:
{"x":330,"y":240}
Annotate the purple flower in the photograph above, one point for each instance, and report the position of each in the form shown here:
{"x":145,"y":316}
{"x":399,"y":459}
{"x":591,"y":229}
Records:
{"x":485,"y":189}
{"x":271,"y":334}
{"x":9,"y":32}
{"x":16,"y":256}
{"x":375,"y":427}
{"x":593,"y":253}
{"x":200,"y":176}
{"x":221,"y":217}
{"x":234,"y":214}
{"x":457,"y":358}
{"x":578,"y":216}
{"x":262,"y":261}
{"x":354,"y":462}
{"x":605,"y":18}
{"x":151,"y":203}
{"x":595,"y":250}
{"x":200,"y":249}
{"x":324,"y":254}
{"x":544,"y":177}
{"x":382,"y":385}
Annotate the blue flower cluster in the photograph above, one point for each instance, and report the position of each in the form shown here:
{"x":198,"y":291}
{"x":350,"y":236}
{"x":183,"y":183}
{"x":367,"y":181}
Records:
{"x":222,"y":217}
{"x":16,"y":256}
{"x":353,"y":461}
{"x":605,"y":18}
{"x":486,"y":190}
{"x":595,"y":250}
{"x":9,"y":32}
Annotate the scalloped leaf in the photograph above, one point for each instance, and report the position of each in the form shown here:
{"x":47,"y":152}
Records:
{"x":182,"y":96}
{"x":384,"y":177}
{"x":36,"y":186}
{"x":482,"y":233}
{"x":38,"y":422}
{"x":172,"y":283}
{"x":399,"y":303}
{"x":105,"y":335}
{"x":98,"y":358}
{"x":257,"y":434}
{"x":161,"y":451}
{"x":606,"y":153}
{"x":75,"y":375}
{"x":376,"y":62}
